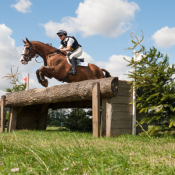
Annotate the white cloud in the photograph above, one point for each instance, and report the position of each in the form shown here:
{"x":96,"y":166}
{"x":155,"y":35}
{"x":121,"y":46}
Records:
{"x":87,"y":57}
{"x":117,"y":66}
{"x":165,"y":37}
{"x":22,"y":6}
{"x":52,"y":28}
{"x":10,"y":55}
{"x":109,"y":18}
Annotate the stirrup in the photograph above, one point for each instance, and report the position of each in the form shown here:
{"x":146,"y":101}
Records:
{"x":73,"y":71}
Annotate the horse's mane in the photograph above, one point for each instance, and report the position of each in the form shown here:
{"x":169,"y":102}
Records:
{"x":51,"y":47}
{"x":44,"y":44}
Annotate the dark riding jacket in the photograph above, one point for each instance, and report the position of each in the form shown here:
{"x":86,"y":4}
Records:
{"x":75,"y":43}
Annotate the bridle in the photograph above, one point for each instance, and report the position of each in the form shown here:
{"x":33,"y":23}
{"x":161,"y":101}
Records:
{"x":28,"y":57}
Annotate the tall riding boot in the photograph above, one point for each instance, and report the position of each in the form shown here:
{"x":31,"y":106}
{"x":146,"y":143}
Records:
{"x":74,"y":71}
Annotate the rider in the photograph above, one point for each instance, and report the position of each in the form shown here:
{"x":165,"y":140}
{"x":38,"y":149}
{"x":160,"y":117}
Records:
{"x":70,"y":44}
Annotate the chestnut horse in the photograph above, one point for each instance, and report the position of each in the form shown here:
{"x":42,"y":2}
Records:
{"x":56,"y":65}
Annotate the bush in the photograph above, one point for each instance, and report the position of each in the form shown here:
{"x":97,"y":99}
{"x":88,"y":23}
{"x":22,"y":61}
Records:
{"x":55,"y":123}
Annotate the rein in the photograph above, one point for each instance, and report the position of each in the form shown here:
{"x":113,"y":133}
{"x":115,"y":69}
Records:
{"x":36,"y":59}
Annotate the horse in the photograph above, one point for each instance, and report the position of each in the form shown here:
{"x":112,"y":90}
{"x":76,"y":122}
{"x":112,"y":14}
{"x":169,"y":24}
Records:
{"x":56,"y":64}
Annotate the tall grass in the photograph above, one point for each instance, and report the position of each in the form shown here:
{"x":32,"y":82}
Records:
{"x":65,"y":152}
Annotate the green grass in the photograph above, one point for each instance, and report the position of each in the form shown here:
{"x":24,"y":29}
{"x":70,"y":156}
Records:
{"x":64,"y":152}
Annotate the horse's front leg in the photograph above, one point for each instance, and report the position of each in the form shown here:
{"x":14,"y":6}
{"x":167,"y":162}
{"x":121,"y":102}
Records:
{"x":38,"y":76}
{"x":45,"y":71}
{"x":43,"y":83}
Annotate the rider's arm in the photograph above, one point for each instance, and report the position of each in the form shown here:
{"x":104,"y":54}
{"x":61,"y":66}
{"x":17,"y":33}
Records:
{"x":66,"y":49}
{"x":61,"y":46}
{"x":69,"y":45}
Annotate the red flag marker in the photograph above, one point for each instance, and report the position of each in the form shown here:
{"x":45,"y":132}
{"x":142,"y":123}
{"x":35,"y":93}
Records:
{"x":25,"y":79}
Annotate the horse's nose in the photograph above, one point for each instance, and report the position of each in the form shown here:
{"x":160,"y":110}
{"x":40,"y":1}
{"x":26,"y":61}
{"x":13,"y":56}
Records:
{"x":21,"y":60}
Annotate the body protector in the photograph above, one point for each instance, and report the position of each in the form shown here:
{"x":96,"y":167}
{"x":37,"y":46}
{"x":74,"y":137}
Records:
{"x":75,"y":44}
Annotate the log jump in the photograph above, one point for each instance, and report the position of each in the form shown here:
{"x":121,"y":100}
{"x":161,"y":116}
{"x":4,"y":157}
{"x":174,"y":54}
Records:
{"x":29,"y":108}
{"x":79,"y":91}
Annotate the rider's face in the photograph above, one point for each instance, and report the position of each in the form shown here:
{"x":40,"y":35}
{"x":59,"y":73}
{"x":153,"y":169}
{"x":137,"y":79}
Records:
{"x":62,"y":37}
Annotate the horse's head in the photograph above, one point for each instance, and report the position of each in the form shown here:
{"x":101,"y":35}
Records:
{"x":28,"y":52}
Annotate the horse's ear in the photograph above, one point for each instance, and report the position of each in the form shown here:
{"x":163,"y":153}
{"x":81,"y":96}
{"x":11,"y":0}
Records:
{"x":27,"y":40}
{"x":24,"y":41}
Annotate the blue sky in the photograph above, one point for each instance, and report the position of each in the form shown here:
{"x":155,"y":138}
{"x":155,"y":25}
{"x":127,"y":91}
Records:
{"x":102,"y":27}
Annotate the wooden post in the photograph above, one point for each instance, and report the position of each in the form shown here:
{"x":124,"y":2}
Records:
{"x":12,"y":119}
{"x":8,"y":123}
{"x":108,"y":118}
{"x":42,"y":118}
{"x":27,"y":81}
{"x":19,"y":109}
{"x":3,"y":113}
{"x":96,"y":109}
{"x":103,"y":118}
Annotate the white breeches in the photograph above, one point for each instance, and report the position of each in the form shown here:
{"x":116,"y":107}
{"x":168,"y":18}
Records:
{"x":76,"y":53}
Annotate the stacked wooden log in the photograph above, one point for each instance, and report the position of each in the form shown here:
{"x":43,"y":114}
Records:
{"x":79,"y":91}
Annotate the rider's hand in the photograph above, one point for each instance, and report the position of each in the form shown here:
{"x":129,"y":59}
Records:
{"x":57,"y":50}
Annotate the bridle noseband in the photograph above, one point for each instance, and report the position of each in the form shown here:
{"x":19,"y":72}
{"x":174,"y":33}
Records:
{"x":28,"y":57}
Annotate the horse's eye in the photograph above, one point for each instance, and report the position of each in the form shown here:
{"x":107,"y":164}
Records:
{"x":27,"y":48}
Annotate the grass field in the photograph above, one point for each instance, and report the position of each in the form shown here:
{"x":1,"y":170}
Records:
{"x":64,"y":152}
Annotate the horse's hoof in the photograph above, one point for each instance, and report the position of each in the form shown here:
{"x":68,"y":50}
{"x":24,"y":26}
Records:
{"x":45,"y":83}
{"x":41,"y":76}
{"x":42,"y":79}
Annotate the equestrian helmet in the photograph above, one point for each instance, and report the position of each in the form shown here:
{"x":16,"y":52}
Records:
{"x":62,"y":32}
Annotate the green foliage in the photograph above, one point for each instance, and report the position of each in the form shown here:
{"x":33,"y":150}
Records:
{"x":55,"y":123}
{"x":14,"y":80}
{"x":155,"y":89}
{"x":55,"y":117}
{"x":74,"y":119}
{"x":79,"y":120}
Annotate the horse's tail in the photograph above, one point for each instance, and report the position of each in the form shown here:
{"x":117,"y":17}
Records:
{"x":107,"y":74}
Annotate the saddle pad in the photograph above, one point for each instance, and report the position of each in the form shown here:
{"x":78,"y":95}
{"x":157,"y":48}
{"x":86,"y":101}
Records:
{"x":79,"y":64}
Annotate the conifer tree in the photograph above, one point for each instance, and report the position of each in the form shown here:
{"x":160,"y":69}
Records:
{"x":155,"y":89}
